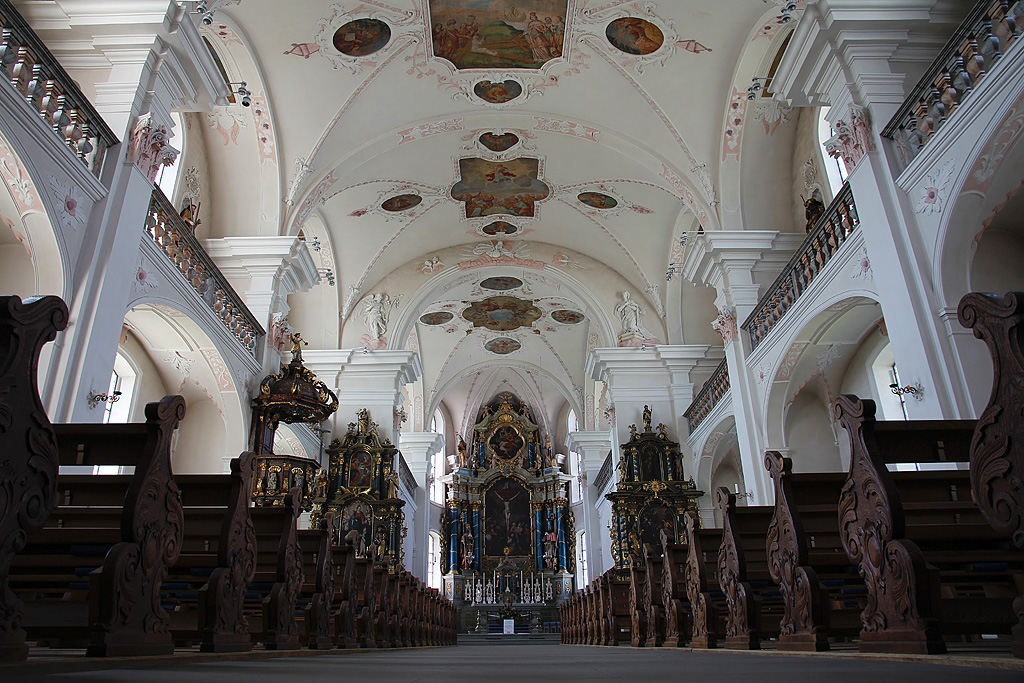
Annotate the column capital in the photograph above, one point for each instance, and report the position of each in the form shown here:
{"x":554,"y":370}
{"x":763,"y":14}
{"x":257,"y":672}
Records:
{"x":651,"y":374}
{"x":280,"y":265}
{"x":423,"y":445}
{"x":590,"y":443}
{"x":728,"y":258}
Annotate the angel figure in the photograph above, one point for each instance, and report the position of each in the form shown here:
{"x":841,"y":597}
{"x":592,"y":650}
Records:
{"x":375,"y":314}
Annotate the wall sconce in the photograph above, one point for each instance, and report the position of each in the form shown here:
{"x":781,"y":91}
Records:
{"x":788,"y":7}
{"x":915,"y":390}
{"x":202,"y":7}
{"x":741,"y":496}
{"x":245,"y":93}
{"x":755,"y":87}
{"x":95,"y":399}
{"x":327,"y":274}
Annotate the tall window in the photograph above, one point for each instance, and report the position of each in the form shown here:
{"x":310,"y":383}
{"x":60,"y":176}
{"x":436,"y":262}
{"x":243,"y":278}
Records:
{"x":581,"y":559}
{"x":575,"y":469}
{"x":433,"y":560}
{"x":167,"y":177}
{"x":834,"y":168}
{"x":571,"y":423}
{"x":122,"y":379}
{"x":437,"y":422}
{"x":436,"y":472}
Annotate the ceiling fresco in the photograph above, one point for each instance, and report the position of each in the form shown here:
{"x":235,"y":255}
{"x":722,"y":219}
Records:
{"x":362,"y":37}
{"x":502,"y":313}
{"x":635,"y":36}
{"x":498,"y":92}
{"x":567,"y":317}
{"x":498,"y":34}
{"x":499,"y":143}
{"x":500,"y":228}
{"x":501,"y":283}
{"x":491,"y":187}
{"x":401,"y":202}
{"x":503,"y":346}
{"x":598,"y":200}
{"x":436,"y":318}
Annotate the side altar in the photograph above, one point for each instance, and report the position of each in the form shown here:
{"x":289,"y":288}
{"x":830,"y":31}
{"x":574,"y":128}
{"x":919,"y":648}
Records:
{"x":508,"y":535}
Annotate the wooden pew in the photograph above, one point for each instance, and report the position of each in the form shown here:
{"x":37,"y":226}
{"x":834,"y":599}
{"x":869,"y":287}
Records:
{"x":915,"y":545}
{"x":698,"y":575}
{"x":673,"y":593}
{"x":318,"y":617}
{"x":281,"y":630}
{"x":620,"y":616}
{"x":28,"y":446}
{"x":653,"y":605}
{"x":997,"y":446}
{"x":638,"y":616}
{"x":743,"y":622}
{"x":137,"y":532}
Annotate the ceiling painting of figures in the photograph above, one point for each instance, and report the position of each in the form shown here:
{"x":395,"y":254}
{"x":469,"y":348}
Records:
{"x":498,"y":34}
{"x":505,"y":187}
{"x":502,"y":313}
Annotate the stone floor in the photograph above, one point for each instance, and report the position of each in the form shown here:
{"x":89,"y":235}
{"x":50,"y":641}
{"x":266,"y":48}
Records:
{"x":531,"y":663}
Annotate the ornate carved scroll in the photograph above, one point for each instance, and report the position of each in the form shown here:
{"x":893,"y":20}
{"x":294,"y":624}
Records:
{"x":703,"y":634}
{"x":676,"y":627}
{"x":125,"y":612}
{"x":997,"y":449}
{"x":637,"y":578}
{"x":221,"y":600}
{"x":282,"y":631}
{"x":318,"y":612}
{"x":903,"y":590}
{"x":345,"y":617}
{"x":804,"y":624}
{"x":742,"y":630}
{"x":652,"y":599}
{"x":29,"y":451}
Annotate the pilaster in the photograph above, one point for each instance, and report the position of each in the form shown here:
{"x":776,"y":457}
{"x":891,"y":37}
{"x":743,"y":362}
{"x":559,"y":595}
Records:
{"x":593,"y":448}
{"x":418,"y":448}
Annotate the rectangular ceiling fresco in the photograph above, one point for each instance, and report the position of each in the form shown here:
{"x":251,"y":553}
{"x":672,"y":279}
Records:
{"x":498,"y":34}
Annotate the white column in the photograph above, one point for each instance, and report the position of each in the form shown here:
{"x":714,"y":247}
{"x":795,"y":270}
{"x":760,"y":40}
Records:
{"x":593,"y":448}
{"x":418,"y":448}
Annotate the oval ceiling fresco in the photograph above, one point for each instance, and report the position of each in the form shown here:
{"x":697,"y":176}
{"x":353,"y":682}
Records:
{"x":362,"y":37}
{"x":498,"y":92}
{"x":500,"y":228}
{"x":499,"y":143}
{"x":503,"y":345}
{"x":501,"y":283}
{"x":567,"y":317}
{"x":436,"y":318}
{"x":401,"y":202}
{"x":634,"y":36}
{"x":598,"y":200}
{"x":502,"y":313}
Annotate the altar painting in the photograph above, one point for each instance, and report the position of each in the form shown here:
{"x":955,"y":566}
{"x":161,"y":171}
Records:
{"x":654,"y":519}
{"x":506,"y":443}
{"x":360,"y":470}
{"x":507,"y":519}
{"x":354,"y":525}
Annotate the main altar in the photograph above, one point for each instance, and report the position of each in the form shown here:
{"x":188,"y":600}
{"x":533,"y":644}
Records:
{"x":508,"y":534}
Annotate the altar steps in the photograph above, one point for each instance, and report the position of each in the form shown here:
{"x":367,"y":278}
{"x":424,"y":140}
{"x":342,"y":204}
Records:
{"x":510,"y":639}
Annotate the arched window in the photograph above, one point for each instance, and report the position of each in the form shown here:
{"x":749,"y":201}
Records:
{"x":437,"y":470}
{"x":581,"y":559}
{"x":571,"y":423}
{"x":433,"y":560}
{"x":885,"y":373}
{"x":167,"y":176}
{"x":122,"y":385}
{"x":834,"y":168}
{"x":437,"y":422}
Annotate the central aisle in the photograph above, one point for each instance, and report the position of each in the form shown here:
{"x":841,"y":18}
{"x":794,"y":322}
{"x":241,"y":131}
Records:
{"x":544,"y":663}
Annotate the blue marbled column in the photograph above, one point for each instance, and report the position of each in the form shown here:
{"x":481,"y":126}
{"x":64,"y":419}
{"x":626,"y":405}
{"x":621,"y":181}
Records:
{"x":538,"y":538}
{"x":476,"y":539}
{"x":453,"y":545}
{"x":563,"y":557}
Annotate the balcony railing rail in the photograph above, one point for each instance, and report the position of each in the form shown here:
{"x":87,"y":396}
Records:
{"x":405,"y":474}
{"x":37,"y":75}
{"x":176,"y":238}
{"x":604,"y":475}
{"x":822,"y":242}
{"x":979,"y":42}
{"x":710,"y":394}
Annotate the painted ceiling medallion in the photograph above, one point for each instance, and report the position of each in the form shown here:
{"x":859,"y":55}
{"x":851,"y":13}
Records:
{"x":502,"y":313}
{"x":499,"y":143}
{"x":499,"y":228}
{"x":491,"y":187}
{"x":362,"y":37}
{"x":501,"y":283}
{"x":503,"y":346}
{"x":598,"y":200}
{"x":635,"y":36}
{"x":567,"y":317}
{"x":498,"y":92}
{"x":401,"y":202}
{"x":436,"y":318}
{"x":505,"y":34}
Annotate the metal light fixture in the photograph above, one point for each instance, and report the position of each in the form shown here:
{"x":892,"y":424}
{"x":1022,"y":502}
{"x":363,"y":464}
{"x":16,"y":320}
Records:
{"x":95,"y":399}
{"x":915,"y":390}
{"x":755,"y":87}
{"x":244,"y":92}
{"x":741,"y":496}
{"x":327,"y":274}
{"x":202,"y":7}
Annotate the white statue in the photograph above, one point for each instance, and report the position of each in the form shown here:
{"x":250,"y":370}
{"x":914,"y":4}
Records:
{"x":375,"y":313}
{"x":629,"y":312}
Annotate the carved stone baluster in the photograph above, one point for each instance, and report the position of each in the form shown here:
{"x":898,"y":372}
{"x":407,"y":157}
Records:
{"x":742,"y":630}
{"x":279,"y":607}
{"x":903,"y":590}
{"x":703,"y":634}
{"x":318,"y":612}
{"x":27,"y":444}
{"x":997,"y":449}
{"x":21,"y":72}
{"x":222,"y":600}
{"x":125,"y":611}
{"x":804,"y":620}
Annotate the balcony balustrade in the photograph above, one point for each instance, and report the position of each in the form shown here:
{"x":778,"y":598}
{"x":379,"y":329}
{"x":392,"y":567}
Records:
{"x":36,"y":74}
{"x":710,"y":395}
{"x":822,"y":242}
{"x":176,"y":238}
{"x":973,"y":51}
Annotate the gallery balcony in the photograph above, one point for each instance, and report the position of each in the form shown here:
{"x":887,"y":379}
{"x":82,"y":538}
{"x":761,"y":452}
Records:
{"x":175,"y":238}
{"x":821,"y":244}
{"x":710,"y":395}
{"x":973,"y":52}
{"x":37,"y":77}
